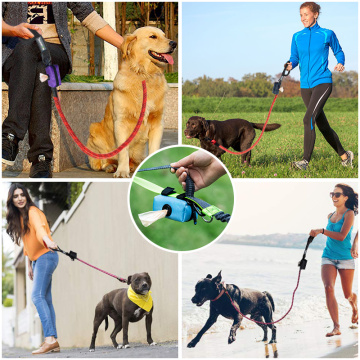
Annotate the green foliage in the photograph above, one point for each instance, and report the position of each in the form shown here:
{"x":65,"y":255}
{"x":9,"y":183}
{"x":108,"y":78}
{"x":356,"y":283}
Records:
{"x":7,"y":276}
{"x":272,"y":157}
{"x":171,"y":234}
{"x":56,"y":192}
{"x":8,"y":302}
{"x":170,"y":78}
{"x":83,"y":79}
{"x":75,"y":191}
{"x":260,"y":85}
{"x":238,"y":106}
{"x":63,"y":194}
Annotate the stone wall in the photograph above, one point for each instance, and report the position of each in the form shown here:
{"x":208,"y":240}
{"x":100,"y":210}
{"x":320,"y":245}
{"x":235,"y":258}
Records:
{"x":82,"y":105}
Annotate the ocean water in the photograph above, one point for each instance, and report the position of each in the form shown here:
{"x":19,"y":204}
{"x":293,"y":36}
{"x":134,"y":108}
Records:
{"x":262,"y":268}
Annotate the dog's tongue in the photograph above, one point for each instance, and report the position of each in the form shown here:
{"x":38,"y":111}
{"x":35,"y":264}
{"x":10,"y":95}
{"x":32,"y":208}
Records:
{"x":168,"y":58}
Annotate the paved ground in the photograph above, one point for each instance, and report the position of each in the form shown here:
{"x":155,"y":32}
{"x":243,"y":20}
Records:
{"x":137,"y":350}
{"x":170,"y":137}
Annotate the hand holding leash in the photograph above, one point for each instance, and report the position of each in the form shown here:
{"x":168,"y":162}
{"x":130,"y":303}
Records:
{"x":277,"y":84}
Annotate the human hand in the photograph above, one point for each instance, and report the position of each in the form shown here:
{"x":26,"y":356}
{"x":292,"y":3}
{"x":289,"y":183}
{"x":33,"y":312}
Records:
{"x":201,"y":166}
{"x":31,"y":273}
{"x":339,"y":67}
{"x":22,"y":31}
{"x":51,"y":245}
{"x":315,"y":232}
{"x":354,"y":249}
{"x":289,"y":66}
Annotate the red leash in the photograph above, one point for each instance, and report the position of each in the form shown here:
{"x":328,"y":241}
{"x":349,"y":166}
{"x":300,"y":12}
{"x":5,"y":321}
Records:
{"x":73,"y":255}
{"x":121,"y":147}
{"x":256,"y":142}
{"x":265,"y":323}
{"x":103,"y":271}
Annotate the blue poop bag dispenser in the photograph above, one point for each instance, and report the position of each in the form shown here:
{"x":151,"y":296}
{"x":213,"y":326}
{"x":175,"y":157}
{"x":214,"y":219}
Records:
{"x":177,"y":208}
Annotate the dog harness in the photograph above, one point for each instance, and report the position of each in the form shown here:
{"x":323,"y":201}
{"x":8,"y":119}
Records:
{"x":181,"y":207}
{"x":302,"y":264}
{"x":143,"y":301}
{"x":54,"y":80}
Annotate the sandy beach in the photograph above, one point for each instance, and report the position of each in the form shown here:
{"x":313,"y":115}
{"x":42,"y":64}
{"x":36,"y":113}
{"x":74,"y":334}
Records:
{"x":293,"y":341}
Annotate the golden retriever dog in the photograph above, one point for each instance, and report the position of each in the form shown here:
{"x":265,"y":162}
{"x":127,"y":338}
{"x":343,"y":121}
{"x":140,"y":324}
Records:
{"x":145,"y":54}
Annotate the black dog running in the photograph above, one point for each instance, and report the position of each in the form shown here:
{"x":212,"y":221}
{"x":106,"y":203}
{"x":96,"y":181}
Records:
{"x":259,"y":305}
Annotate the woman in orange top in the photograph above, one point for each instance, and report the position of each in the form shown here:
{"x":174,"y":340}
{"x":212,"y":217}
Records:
{"x":28,"y":223}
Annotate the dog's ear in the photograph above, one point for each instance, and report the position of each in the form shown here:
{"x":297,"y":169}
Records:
{"x":203,"y":122}
{"x":129,"y":279}
{"x":127,"y":45}
{"x":217,"y":278}
{"x":209,"y":276}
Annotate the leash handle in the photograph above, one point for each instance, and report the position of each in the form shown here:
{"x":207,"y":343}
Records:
{"x":190,"y":186}
{"x":302,"y":263}
{"x":277,"y":84}
{"x":285,"y":72}
{"x":45,"y":53}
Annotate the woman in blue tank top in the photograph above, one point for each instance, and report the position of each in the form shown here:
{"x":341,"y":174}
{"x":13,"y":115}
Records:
{"x":339,"y":254}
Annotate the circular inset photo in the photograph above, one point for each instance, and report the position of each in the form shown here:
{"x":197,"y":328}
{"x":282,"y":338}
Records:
{"x":181,"y":198}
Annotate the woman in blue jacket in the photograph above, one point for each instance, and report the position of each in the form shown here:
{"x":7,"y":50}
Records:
{"x":310,"y":50}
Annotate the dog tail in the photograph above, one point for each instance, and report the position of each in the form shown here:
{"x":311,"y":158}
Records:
{"x":106,"y":323}
{"x":269,"y":127}
{"x":268,"y":295}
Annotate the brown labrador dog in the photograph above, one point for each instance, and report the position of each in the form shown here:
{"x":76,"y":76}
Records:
{"x":238,"y":134}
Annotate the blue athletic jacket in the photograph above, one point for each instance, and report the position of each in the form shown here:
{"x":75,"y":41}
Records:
{"x":310,"y":49}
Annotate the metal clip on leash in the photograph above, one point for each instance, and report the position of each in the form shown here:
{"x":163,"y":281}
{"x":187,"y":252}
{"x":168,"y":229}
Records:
{"x":71,"y":254}
{"x":302,"y":263}
{"x":277,"y":84}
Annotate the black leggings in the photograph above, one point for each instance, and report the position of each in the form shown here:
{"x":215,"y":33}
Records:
{"x":30,"y":99}
{"x":315,"y":100}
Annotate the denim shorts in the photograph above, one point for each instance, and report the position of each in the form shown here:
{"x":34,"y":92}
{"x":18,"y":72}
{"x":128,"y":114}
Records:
{"x":339,"y":264}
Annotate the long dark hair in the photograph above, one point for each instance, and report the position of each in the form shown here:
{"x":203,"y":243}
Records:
{"x":352,"y":201}
{"x":13,"y":214}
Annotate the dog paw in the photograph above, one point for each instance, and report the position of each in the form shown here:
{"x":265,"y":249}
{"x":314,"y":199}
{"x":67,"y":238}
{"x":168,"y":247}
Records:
{"x":191,"y":344}
{"x":231,"y":339}
{"x":153,"y":343}
{"x":119,"y":346}
{"x":122,"y":174}
{"x":91,"y":350}
{"x":126,"y":346}
{"x":111,"y":168}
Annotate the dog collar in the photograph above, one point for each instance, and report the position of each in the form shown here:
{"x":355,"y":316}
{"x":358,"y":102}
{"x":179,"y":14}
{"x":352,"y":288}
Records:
{"x":221,"y":292}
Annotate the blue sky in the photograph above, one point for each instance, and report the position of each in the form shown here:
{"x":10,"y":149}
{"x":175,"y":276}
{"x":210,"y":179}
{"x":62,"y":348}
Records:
{"x":223,"y":40}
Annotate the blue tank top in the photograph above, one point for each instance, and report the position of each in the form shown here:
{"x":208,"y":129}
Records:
{"x":335,"y":249}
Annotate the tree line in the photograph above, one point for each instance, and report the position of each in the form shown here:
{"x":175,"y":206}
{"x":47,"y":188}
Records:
{"x":345,"y":85}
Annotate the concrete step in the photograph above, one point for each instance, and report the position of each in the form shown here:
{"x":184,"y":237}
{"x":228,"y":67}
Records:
{"x":170,"y":137}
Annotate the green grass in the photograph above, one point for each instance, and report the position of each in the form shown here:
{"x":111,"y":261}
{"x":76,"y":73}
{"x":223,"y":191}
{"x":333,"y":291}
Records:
{"x":170,"y":78}
{"x":271,"y":158}
{"x":248,"y":105}
{"x":168,"y":233}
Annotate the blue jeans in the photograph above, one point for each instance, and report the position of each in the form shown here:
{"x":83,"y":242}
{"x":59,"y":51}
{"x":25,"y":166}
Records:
{"x":43,"y":269}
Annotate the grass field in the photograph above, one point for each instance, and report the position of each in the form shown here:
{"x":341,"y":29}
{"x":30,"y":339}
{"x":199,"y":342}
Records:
{"x":272,"y":157}
{"x":168,"y":233}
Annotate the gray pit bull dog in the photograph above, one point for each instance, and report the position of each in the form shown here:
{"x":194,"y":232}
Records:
{"x":122,"y":310}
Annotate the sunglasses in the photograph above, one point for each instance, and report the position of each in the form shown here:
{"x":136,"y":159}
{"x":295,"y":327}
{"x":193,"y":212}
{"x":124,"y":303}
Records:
{"x":336,"y":194}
